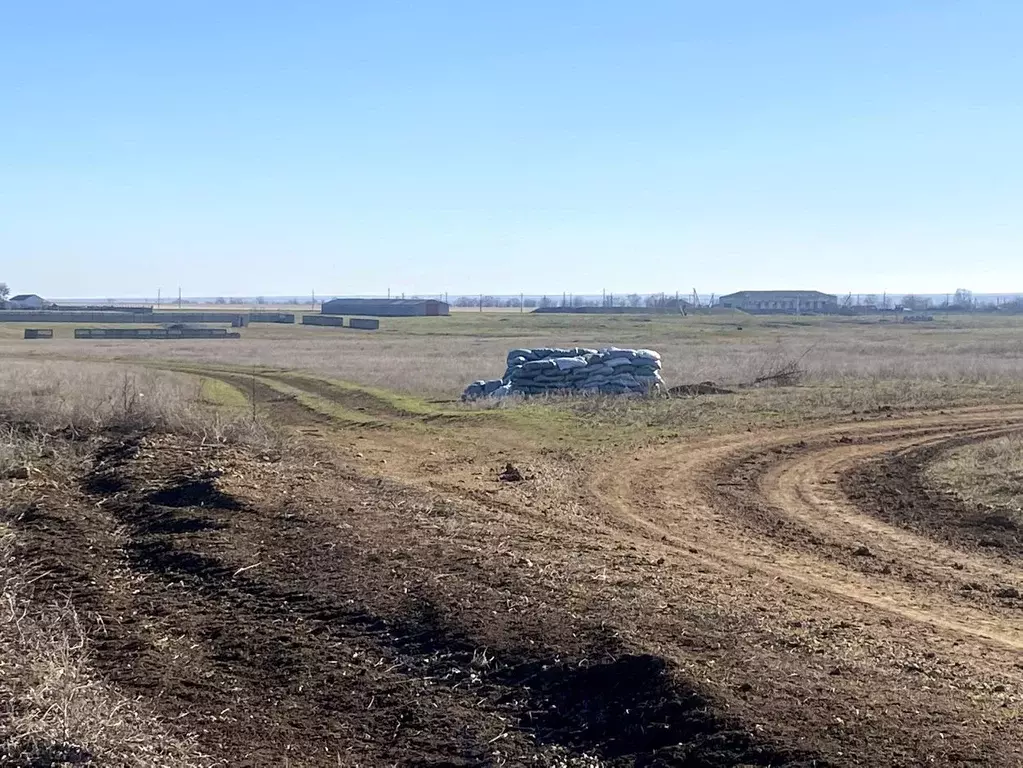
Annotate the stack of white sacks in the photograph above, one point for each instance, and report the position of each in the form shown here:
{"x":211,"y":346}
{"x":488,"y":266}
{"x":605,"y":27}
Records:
{"x":549,"y":371}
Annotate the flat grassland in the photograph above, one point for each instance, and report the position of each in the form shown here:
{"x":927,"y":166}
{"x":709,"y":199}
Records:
{"x":301,"y":548}
{"x":438,"y":357}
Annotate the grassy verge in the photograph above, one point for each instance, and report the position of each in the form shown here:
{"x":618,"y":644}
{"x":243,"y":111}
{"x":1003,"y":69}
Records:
{"x":780,"y":406}
{"x":606,"y":419}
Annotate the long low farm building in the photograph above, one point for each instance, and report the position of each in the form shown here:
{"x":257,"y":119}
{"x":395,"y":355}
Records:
{"x":781,"y":301}
{"x":386,"y":307}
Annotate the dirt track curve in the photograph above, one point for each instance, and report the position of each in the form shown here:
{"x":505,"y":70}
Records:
{"x":772,"y":502}
{"x":923,"y":625}
{"x":778,"y":597}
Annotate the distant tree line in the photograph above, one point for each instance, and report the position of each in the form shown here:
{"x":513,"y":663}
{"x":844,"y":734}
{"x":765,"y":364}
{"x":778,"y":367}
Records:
{"x":513,"y":302}
{"x":566,"y":300}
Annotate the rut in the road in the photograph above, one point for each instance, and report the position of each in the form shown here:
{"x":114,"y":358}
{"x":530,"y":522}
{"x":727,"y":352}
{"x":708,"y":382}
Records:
{"x":882,"y":617}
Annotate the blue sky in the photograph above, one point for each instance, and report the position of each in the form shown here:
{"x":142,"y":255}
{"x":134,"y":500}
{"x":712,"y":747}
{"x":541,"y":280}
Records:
{"x":242,"y":148}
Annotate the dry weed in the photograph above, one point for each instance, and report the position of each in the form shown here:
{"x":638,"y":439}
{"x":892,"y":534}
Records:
{"x":84,"y":398}
{"x":989,"y":473}
{"x":54,"y":710}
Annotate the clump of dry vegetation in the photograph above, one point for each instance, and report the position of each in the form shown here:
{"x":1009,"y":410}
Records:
{"x":54,"y":710}
{"x":988,"y":473}
{"x":82,"y":398}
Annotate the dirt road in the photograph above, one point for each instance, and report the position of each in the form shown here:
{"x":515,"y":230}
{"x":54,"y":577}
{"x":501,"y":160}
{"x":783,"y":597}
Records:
{"x":765,"y":598}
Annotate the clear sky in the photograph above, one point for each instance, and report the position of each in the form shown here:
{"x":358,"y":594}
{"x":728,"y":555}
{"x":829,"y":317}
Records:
{"x":264,"y":147}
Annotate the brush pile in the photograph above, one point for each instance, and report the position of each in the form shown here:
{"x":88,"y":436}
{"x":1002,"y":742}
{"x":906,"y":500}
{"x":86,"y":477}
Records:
{"x":552,"y":371}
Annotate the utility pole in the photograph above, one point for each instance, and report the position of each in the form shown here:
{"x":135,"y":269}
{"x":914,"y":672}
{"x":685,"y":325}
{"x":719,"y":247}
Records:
{"x":388,"y":292}
{"x":179,"y":297}
{"x":481,"y":302}
{"x":314,"y":300}
{"x":522,"y":303}
{"x":157,"y":298}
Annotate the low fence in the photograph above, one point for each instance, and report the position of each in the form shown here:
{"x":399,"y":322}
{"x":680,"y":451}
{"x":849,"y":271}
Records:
{"x":146,"y":334}
{"x":332,"y":320}
{"x":165,"y":316}
{"x":38,"y":333}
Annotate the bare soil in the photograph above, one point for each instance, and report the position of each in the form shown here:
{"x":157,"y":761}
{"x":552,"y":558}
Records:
{"x":895,"y":489}
{"x":275,"y":630}
{"x":385,"y":598}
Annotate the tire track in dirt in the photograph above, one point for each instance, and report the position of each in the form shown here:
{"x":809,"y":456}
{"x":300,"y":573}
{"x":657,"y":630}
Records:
{"x":770,"y":502}
{"x":284,"y":409}
{"x":757,"y":526}
{"x":755,"y":529}
{"x":781,"y":489}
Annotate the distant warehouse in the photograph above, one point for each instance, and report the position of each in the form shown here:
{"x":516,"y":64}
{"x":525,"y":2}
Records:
{"x":781,"y":301}
{"x":27,"y":301}
{"x":387,"y":307}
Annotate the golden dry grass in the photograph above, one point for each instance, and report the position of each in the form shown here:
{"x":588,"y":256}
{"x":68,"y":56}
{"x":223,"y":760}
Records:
{"x":989,"y":473}
{"x":48,"y":396}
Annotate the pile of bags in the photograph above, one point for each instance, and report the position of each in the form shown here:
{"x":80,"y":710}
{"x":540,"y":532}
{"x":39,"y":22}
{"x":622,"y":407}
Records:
{"x":548,"y":371}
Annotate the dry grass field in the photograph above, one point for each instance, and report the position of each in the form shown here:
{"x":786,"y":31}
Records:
{"x":299,"y":548}
{"x":437,"y":357}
